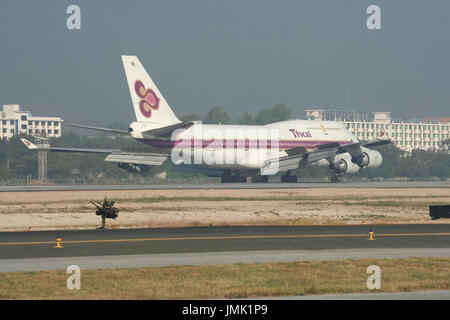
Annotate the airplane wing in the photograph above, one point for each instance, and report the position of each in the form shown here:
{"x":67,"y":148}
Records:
{"x":134,"y":156}
{"x":299,"y":156}
{"x":137,"y":156}
{"x":296,"y":158}
{"x":376,"y":142}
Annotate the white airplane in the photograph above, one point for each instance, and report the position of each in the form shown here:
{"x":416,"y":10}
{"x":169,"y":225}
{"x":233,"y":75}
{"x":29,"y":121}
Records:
{"x":233,"y":152}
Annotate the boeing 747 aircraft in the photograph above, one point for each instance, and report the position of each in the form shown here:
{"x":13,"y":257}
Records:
{"x":233,"y":152}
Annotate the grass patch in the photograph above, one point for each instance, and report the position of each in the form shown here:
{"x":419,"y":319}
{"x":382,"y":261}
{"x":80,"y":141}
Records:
{"x":283,"y":197}
{"x":365,"y":200}
{"x":368,"y":216}
{"x":394,"y":204}
{"x":231,"y":281}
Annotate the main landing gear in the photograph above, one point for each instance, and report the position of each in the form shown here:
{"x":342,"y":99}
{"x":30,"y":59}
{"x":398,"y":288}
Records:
{"x":288,"y":177}
{"x":233,"y":177}
{"x":260,"y":179}
{"x":336,"y":177}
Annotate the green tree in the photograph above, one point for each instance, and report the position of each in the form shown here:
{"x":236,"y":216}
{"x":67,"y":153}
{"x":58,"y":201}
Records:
{"x":117,"y":124}
{"x":246,"y":119}
{"x":191,"y":117}
{"x":278,"y":113}
{"x":20,"y":161}
{"x":216,"y":115}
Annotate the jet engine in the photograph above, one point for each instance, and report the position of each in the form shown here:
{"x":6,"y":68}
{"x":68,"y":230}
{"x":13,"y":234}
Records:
{"x":369,"y":158}
{"x":343,"y":164}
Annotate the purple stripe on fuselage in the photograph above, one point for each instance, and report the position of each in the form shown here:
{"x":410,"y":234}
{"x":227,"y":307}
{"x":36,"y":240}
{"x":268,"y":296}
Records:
{"x":238,"y":144}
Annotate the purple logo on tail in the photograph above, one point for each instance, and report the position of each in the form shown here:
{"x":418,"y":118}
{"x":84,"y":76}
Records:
{"x":149,"y":100}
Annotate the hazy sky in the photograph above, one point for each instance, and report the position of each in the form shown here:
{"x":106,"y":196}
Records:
{"x":243,"y":55}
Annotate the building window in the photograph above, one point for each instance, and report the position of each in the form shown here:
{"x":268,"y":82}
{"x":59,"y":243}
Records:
{"x":23,"y":118}
{"x":56,"y":131}
{"x":49,"y":131}
{"x":24,"y":126}
{"x":11,"y":122}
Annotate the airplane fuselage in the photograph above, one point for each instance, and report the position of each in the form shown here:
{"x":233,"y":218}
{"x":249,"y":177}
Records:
{"x":247,"y":146}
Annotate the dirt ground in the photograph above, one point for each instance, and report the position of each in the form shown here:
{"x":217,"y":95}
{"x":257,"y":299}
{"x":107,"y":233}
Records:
{"x":169,"y":208}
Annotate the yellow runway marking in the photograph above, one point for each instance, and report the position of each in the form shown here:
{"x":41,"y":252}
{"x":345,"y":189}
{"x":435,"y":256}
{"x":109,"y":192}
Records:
{"x":231,"y":237}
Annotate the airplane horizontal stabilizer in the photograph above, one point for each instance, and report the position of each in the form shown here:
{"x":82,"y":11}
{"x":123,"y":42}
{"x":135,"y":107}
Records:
{"x":116,"y":131}
{"x":166,"y":132}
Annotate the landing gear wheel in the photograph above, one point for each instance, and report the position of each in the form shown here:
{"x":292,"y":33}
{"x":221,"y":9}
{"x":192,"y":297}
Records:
{"x":336,"y":178}
{"x":233,"y":179}
{"x":289,"y":178}
{"x":260,"y":179}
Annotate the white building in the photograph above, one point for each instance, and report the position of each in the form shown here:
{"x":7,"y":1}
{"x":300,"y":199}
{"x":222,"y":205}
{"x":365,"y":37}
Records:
{"x":15,"y":121}
{"x":425,"y":134}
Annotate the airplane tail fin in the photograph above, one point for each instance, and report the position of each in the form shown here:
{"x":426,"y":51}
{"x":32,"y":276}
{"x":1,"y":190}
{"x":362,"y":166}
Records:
{"x":29,"y":145}
{"x":148,"y":103}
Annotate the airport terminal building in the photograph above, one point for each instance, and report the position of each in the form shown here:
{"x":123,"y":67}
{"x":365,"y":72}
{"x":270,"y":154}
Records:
{"x":426,"y":134}
{"x":14,"y":121}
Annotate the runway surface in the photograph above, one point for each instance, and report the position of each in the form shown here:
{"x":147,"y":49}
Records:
{"x":426,"y":184}
{"x":31,"y":251}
